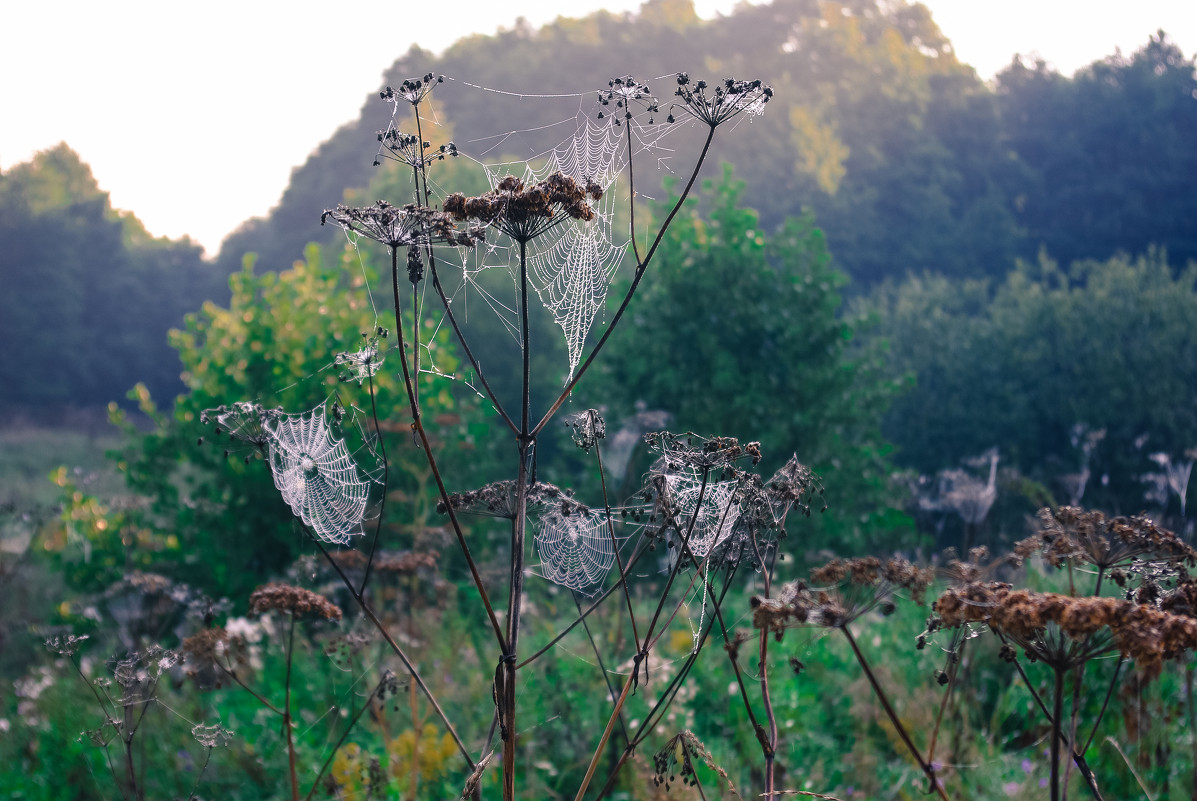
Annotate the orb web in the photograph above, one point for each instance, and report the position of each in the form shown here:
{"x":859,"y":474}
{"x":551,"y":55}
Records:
{"x":571,"y":267}
{"x":576,"y":550}
{"x":712,"y":509}
{"x":317,"y":476}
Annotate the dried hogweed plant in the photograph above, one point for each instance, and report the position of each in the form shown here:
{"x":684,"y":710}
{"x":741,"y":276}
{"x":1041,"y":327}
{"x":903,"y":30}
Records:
{"x":699,"y":502}
{"x":1149,"y":624}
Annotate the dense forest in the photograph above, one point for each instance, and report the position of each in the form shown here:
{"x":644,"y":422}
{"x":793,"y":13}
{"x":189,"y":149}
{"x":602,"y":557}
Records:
{"x":944,"y":205}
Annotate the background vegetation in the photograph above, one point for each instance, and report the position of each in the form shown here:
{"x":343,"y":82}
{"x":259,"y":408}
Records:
{"x":925,"y":266}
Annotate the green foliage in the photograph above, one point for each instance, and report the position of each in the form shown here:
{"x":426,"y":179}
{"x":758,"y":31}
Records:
{"x":275,"y":344}
{"x":1017,"y":365}
{"x":875,"y":124}
{"x":1109,"y":152}
{"x":736,"y":332}
{"x":88,"y":294}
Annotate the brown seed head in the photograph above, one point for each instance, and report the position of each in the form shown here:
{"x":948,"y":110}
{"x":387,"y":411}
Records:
{"x":296,"y":600}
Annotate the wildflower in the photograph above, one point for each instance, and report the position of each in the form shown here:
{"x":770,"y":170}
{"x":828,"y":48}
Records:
{"x":296,"y":601}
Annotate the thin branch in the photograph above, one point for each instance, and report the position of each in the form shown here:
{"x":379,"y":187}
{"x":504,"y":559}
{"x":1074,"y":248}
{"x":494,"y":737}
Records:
{"x":364,"y":605}
{"x":893,"y":716}
{"x":614,"y":545}
{"x":640,"y":269}
{"x":386,"y":468}
{"x":418,"y":425}
{"x":602,"y":668}
{"x":341,"y":741}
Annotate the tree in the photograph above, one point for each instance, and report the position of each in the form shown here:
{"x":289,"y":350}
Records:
{"x":739,"y":333}
{"x":1106,"y":346}
{"x":68,"y":263}
{"x":1110,"y":152}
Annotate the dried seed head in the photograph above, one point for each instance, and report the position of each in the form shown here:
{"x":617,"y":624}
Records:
{"x":295,"y":600}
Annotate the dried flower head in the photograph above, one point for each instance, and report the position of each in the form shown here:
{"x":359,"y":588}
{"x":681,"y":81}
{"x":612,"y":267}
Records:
{"x":66,"y":645}
{"x":401,"y":226}
{"x":726,"y":100}
{"x":412,"y":90}
{"x":840,"y":592}
{"x":1065,"y":631}
{"x":296,"y":601}
{"x":407,"y":149}
{"x":207,"y":653}
{"x":361,"y":364}
{"x":689,"y":450}
{"x":243,"y":421}
{"x":624,"y":93}
{"x":1073,"y":535}
{"x":525,"y":212}
{"x":499,"y":500}
{"x":588,"y":428}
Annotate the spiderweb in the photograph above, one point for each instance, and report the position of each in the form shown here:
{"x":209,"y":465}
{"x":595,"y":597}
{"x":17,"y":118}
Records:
{"x":714,"y":516}
{"x":317,"y":476}
{"x":571,"y":268}
{"x":575,"y":550}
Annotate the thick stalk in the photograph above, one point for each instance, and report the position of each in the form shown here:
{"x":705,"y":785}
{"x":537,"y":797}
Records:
{"x":1078,"y":758}
{"x":1057,"y":711}
{"x":518,"y":530}
{"x":418,"y":426}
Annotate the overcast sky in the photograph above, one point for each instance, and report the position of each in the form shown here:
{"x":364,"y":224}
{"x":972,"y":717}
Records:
{"x":262,"y":83}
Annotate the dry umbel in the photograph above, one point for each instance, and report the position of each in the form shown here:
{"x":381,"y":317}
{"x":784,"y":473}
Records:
{"x":297,"y":601}
{"x":1142,"y":633}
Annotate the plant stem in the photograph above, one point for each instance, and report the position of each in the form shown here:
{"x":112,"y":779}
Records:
{"x":1057,"y":711}
{"x":418,"y":426}
{"x":287,"y":712}
{"x":893,"y":716}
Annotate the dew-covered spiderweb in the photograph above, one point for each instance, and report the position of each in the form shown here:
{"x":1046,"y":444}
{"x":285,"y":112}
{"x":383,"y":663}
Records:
{"x":317,"y":477}
{"x":708,"y":513}
{"x":575,"y":550}
{"x":572,"y":267}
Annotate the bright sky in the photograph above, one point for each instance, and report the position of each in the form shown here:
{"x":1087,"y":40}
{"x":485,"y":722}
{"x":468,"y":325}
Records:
{"x":192,"y":115}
